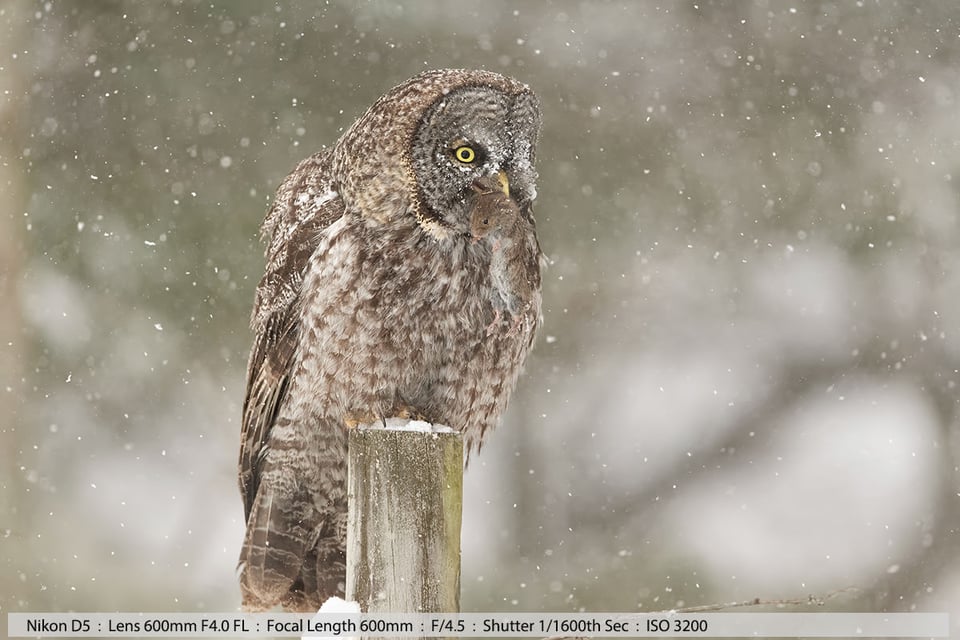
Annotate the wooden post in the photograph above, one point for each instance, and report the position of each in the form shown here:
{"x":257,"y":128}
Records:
{"x":405,"y":497}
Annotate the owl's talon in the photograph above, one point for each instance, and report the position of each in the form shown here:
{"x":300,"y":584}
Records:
{"x":406,"y":412}
{"x":515,"y":329}
{"x":356,"y":418}
{"x":497,"y":317}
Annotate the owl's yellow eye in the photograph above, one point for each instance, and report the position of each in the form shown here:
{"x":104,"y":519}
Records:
{"x":465,"y":154}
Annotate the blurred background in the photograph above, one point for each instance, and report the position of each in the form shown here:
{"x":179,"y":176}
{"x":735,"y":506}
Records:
{"x":746,"y":385}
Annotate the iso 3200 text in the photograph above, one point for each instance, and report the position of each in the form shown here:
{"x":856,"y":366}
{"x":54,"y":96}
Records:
{"x":676,"y":625}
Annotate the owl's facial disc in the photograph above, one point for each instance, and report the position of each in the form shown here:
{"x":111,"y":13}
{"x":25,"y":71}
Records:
{"x":470,"y":134}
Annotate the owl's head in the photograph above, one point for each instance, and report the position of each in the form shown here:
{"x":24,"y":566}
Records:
{"x":469,"y":136}
{"x":424,"y":145}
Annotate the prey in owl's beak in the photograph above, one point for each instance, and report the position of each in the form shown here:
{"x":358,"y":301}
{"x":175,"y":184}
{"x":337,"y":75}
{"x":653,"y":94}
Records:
{"x":492,"y":206}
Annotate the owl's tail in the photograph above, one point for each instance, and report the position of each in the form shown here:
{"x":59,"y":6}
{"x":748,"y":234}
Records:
{"x":275,"y":549}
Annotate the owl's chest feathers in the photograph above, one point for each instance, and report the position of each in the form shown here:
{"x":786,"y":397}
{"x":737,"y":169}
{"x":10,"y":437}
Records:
{"x":389,"y":307}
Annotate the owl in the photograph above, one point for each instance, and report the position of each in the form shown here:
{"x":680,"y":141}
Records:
{"x":376,"y":302}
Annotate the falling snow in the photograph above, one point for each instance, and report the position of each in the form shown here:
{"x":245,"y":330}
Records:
{"x":746,"y":384}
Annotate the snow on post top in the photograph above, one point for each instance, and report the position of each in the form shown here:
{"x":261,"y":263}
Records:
{"x":405,"y":424}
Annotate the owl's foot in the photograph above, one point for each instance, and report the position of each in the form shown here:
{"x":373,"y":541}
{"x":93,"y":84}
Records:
{"x":407,"y":412}
{"x":356,"y":418}
{"x":515,"y":328}
{"x":497,"y":316}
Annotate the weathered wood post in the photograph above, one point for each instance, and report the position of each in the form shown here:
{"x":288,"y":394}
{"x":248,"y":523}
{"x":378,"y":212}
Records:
{"x":405,"y":497}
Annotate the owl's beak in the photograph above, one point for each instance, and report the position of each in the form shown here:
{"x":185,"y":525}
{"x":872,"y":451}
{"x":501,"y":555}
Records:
{"x":504,"y":181}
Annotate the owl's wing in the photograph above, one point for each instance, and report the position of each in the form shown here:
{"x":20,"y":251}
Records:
{"x":306,"y":203}
{"x":267,"y":375}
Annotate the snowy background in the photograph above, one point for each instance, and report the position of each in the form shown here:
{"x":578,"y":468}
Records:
{"x":747,"y":382}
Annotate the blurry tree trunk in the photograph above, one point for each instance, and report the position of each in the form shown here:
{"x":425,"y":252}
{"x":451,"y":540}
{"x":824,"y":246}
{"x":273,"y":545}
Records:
{"x":405,"y":496}
{"x":12,"y":204}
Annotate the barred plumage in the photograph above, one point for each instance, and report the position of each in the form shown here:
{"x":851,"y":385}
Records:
{"x":377,"y":302}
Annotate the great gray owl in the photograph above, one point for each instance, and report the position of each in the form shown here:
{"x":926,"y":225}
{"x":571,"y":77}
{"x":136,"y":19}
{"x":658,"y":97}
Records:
{"x":376,"y":302}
